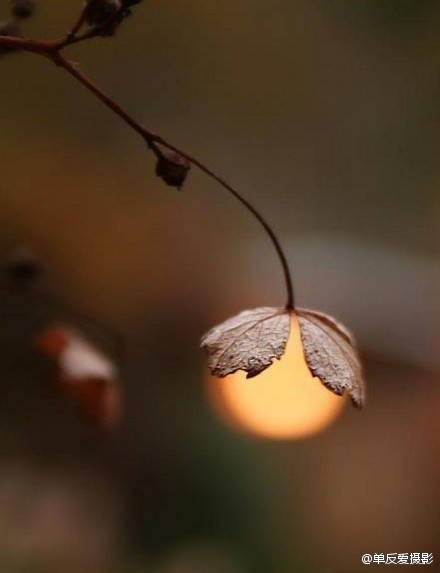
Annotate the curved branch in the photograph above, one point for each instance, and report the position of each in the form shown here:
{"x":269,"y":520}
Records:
{"x":153,"y":139}
{"x":52,"y":50}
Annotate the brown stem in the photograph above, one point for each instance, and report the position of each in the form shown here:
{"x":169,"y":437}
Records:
{"x":52,"y":50}
{"x":70,"y":40}
{"x":93,"y":32}
{"x":37,"y":47}
{"x":152,"y":139}
{"x":79,"y":23}
{"x":73,"y":71}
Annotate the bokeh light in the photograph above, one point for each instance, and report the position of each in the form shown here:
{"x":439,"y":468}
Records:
{"x":283,"y":402}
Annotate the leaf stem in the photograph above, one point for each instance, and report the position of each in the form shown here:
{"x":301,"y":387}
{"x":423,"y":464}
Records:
{"x":79,"y":22}
{"x":153,"y":139}
{"x":52,"y":50}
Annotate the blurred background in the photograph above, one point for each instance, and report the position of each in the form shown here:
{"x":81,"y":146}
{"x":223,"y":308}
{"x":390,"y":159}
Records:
{"x":325,"y":114}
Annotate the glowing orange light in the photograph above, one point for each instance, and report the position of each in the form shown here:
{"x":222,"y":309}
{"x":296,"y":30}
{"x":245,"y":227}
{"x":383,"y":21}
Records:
{"x":283,"y":402}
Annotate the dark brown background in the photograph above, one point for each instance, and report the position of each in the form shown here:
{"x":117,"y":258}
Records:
{"x":326,"y":114}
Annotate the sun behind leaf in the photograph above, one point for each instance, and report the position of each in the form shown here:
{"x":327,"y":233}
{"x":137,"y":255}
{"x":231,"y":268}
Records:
{"x":253,"y":339}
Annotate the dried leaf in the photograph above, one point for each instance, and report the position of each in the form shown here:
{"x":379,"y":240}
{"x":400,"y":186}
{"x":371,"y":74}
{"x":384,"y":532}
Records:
{"x":85,"y":374}
{"x":80,"y":361}
{"x":98,"y":401}
{"x":331,"y":354}
{"x":250,"y":341}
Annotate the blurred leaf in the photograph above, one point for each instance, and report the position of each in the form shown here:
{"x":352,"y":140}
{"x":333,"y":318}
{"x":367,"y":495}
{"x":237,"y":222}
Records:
{"x":85,"y":374}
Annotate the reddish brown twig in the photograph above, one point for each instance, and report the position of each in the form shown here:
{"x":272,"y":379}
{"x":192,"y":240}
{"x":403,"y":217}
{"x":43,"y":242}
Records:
{"x":53,"y":51}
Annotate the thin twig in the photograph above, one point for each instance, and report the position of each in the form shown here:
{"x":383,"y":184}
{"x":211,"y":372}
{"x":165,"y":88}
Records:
{"x":151,"y":138}
{"x":79,"y":22}
{"x":35,"y":46}
{"x":93,"y":32}
{"x":52,"y":50}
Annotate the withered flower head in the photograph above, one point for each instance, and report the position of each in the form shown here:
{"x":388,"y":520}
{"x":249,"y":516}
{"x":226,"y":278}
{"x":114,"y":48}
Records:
{"x":99,"y":11}
{"x":172,"y":168}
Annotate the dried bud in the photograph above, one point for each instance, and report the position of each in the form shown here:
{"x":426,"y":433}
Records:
{"x":112,"y":27}
{"x":172,"y":168}
{"x":23,"y":267}
{"x":10,"y":28}
{"x":23,"y":8}
{"x":99,"y":11}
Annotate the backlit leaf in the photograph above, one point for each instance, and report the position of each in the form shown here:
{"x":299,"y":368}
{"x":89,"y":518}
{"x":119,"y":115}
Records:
{"x":331,"y":354}
{"x":250,"y":341}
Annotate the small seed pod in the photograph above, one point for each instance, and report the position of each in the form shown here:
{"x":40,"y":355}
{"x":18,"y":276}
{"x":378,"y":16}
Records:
{"x":23,"y":267}
{"x":22,"y":8}
{"x":99,"y":11}
{"x":172,"y":168}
